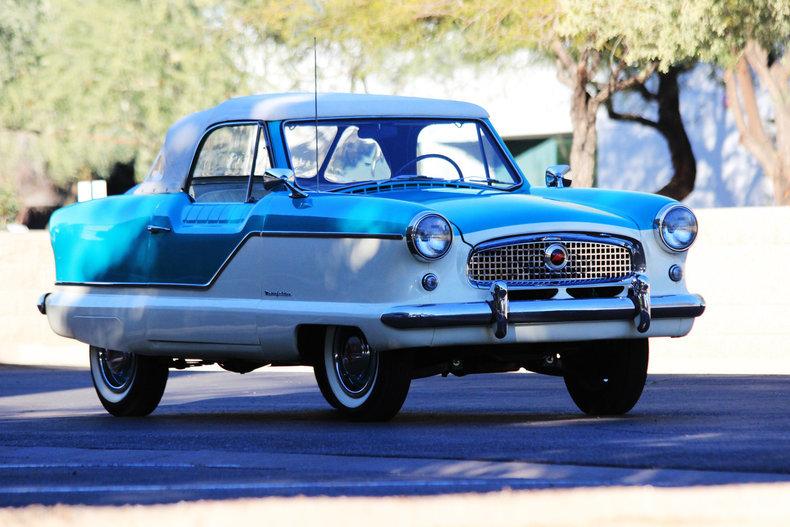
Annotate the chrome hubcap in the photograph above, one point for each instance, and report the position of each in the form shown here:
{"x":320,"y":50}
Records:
{"x":355,"y":363}
{"x":117,"y":369}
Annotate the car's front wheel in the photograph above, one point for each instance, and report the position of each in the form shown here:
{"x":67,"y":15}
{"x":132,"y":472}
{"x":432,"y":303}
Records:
{"x":128,"y":385}
{"x":607,"y":377}
{"x":359,"y":381}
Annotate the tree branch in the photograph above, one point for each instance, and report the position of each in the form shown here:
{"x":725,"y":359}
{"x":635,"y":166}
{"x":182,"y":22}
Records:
{"x":631,"y":117}
{"x":758,"y":149}
{"x":613,"y":85}
{"x":645,"y":93}
{"x":757,"y":57}
{"x":752,"y":111}
{"x":562,"y":55}
{"x":566,"y":66}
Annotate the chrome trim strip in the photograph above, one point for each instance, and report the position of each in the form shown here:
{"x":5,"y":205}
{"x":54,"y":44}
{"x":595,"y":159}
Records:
{"x":251,"y":234}
{"x":540,"y":311}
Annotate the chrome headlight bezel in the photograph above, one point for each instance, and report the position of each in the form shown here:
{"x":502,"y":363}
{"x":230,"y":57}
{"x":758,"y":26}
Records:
{"x":417,"y":245}
{"x":663,"y":220}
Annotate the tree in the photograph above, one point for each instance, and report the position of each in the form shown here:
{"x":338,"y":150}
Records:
{"x":362,"y":37}
{"x":669,"y":123}
{"x":17,"y":55}
{"x":107,"y":86}
{"x":751,"y":40}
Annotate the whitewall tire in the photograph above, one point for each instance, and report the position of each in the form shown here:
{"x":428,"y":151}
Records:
{"x":127,"y":384}
{"x":359,"y":381}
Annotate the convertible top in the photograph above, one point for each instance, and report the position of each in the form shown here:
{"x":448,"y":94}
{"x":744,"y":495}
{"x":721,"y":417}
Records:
{"x":182,"y":138}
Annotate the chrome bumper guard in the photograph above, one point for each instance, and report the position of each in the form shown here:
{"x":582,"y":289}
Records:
{"x":638,"y":306}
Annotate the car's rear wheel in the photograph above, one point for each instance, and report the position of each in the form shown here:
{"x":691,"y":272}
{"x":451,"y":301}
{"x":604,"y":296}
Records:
{"x":128,"y":385}
{"x":360,"y":382}
{"x":607,"y":377}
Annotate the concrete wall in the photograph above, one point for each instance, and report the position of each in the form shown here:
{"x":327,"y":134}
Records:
{"x":737,"y":264}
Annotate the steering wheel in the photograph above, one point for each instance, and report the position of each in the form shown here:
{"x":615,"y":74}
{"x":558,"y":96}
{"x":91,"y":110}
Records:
{"x":428,"y":156}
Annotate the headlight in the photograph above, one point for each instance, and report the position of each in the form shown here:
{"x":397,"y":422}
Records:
{"x":676,"y":227}
{"x":429,"y":236}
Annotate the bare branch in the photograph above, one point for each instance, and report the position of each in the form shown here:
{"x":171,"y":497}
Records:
{"x":631,"y":117}
{"x":645,"y":93}
{"x":615,"y":85}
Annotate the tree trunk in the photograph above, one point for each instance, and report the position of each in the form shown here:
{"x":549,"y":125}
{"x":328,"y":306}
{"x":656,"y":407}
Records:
{"x":772,"y":150}
{"x":585,"y":137}
{"x":670,"y":125}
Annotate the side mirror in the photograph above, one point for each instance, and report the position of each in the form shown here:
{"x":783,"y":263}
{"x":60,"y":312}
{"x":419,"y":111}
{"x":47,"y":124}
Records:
{"x":558,"y":176}
{"x":279,"y":178}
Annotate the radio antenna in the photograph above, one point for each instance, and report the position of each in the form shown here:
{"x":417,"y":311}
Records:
{"x":315,"y":110}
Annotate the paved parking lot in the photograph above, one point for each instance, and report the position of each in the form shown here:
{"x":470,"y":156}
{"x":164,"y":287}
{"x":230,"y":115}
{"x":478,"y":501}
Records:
{"x":223,"y":435}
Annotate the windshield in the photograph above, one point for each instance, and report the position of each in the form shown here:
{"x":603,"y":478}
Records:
{"x":364,"y":150}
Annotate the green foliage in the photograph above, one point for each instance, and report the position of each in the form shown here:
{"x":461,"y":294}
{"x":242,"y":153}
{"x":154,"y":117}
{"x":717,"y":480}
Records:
{"x":100,"y":81}
{"x":8,"y":205}
{"x":113,"y":75}
{"x":732,"y":23}
{"x":18,"y":23}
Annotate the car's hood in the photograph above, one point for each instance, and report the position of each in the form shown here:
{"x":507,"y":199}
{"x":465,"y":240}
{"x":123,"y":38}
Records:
{"x":473,"y":210}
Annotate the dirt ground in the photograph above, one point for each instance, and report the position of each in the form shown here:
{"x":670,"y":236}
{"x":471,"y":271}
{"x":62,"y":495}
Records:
{"x":737,"y":505}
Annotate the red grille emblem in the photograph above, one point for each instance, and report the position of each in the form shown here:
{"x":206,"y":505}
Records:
{"x":555,"y":257}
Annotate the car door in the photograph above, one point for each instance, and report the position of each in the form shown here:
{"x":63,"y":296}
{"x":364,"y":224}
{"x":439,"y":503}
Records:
{"x":196,"y":234}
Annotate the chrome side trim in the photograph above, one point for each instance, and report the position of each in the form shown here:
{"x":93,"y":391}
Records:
{"x":540,"y":311}
{"x":251,"y":234}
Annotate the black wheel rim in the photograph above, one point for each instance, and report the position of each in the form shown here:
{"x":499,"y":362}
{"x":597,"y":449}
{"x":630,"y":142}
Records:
{"x":355,"y":363}
{"x":117,"y":369}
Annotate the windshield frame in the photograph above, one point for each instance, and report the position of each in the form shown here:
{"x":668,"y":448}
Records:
{"x":497,"y":143}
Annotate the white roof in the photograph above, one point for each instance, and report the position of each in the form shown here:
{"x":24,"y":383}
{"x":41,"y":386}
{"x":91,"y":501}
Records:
{"x":183,"y":136}
{"x":281,"y":106}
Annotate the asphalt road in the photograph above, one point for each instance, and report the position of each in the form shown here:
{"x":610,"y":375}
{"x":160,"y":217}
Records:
{"x":222,"y":435}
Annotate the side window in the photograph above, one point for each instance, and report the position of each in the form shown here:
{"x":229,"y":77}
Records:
{"x":262,"y":162}
{"x":224,"y":164}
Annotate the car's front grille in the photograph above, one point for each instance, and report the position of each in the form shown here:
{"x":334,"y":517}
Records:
{"x":521,"y":261}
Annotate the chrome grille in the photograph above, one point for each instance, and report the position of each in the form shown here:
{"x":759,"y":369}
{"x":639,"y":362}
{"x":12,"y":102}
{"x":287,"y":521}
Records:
{"x":521,"y":262}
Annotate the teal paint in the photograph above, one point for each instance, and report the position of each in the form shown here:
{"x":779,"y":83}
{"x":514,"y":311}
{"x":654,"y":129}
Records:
{"x":639,"y":207}
{"x":106,"y":241}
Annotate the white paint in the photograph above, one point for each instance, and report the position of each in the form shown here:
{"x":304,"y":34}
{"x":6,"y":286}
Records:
{"x":89,"y":190}
{"x":326,"y":283}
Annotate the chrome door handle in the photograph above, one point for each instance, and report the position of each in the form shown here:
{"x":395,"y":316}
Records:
{"x":157,"y":229}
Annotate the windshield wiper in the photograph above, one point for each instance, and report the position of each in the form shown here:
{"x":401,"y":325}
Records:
{"x":488,"y":181}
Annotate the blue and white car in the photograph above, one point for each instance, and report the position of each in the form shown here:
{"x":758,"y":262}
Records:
{"x":380,"y":240}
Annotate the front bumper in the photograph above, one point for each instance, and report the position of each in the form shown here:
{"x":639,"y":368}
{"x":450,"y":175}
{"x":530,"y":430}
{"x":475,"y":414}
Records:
{"x":638,"y":306}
